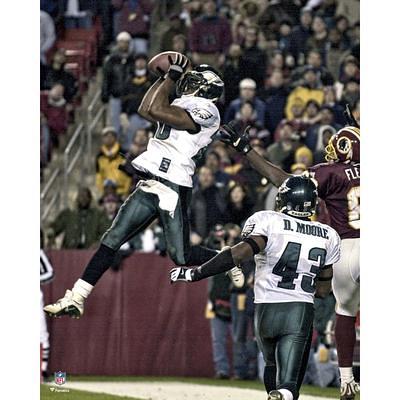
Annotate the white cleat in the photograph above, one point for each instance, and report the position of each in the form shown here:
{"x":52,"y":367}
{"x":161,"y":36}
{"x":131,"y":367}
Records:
{"x":348,"y":390}
{"x":71,"y":304}
{"x":237,"y":277}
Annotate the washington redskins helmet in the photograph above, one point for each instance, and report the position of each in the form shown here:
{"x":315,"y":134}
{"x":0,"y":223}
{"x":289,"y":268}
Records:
{"x":344,"y":145}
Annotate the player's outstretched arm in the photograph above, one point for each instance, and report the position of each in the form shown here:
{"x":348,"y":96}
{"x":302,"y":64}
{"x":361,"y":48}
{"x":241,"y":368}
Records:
{"x":160,"y":109}
{"x":324,"y":280}
{"x":233,"y":135}
{"x":222,"y":262}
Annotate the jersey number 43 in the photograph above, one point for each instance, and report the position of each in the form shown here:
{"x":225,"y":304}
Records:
{"x":286,"y":267}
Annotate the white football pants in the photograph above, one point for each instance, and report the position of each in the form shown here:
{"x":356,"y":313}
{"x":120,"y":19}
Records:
{"x":346,"y":278}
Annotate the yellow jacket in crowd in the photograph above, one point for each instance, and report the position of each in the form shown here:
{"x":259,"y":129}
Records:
{"x":302,"y":95}
{"x":107,"y":163}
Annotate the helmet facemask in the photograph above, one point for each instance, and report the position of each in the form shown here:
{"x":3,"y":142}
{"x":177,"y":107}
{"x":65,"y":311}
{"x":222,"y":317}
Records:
{"x":205,"y":84}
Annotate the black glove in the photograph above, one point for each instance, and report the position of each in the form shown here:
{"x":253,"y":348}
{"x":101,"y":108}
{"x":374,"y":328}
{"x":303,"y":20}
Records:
{"x":232,"y":134}
{"x":178,"y":66}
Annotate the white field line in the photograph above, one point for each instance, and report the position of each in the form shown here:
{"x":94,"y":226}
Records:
{"x":174,"y":391}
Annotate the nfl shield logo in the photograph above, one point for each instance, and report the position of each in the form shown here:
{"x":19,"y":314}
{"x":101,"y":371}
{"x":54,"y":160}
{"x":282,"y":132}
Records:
{"x":60,"y":377}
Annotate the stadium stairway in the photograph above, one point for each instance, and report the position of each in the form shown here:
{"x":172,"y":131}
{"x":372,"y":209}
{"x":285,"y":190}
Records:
{"x":59,"y":192}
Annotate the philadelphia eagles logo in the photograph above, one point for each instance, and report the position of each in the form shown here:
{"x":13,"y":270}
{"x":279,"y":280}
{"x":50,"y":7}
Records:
{"x":203,"y":114}
{"x":247,"y":230}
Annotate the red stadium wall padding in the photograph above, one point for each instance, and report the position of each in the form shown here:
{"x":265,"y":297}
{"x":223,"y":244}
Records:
{"x":135,"y":322}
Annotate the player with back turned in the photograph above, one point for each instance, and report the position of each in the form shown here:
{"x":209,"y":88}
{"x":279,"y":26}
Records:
{"x":339,"y":186}
{"x":186,"y":126}
{"x":294,"y":258}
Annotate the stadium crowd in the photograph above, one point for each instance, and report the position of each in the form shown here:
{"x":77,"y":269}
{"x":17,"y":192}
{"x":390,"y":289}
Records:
{"x":289,"y":68}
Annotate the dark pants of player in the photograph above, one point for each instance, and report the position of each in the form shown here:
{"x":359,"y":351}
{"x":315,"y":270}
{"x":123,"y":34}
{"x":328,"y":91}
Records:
{"x":284,"y":332}
{"x":139,"y":210}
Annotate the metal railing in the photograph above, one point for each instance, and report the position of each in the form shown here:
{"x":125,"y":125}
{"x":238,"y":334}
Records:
{"x":89,"y":131}
{"x":79,"y":148}
{"x":70,"y":160}
{"x":51,"y":187}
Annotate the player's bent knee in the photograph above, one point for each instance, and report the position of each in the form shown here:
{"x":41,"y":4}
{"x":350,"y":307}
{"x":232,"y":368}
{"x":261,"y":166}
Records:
{"x":112,"y":240}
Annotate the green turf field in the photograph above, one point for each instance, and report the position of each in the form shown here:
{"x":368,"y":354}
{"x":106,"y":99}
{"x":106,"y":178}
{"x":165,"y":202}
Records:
{"x":310,"y":390}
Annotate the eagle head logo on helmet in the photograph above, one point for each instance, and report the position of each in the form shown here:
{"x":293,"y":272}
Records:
{"x":203,"y":81}
{"x":344,"y":145}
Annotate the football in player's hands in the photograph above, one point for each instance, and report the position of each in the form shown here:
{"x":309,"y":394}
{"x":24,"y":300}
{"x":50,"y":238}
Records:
{"x":180,"y":274}
{"x":160,"y":63}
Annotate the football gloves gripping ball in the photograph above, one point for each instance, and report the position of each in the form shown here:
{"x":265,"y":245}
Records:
{"x":178,"y":65}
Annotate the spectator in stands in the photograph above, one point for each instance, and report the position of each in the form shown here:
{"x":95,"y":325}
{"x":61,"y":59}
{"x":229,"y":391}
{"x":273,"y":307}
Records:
{"x":219,"y":309}
{"x":82,"y":227}
{"x":298,"y":168}
{"x":239,"y":206}
{"x":314,"y":60}
{"x":133,"y":92}
{"x":285,"y":30}
{"x":134,"y":17}
{"x":309,"y":89}
{"x":191,"y":9}
{"x":335,"y":53}
{"x":299,"y":36}
{"x":247,"y":89}
{"x":207,"y":204}
{"x":45,"y":142}
{"x":281,"y":152}
{"x":331,"y":101}
{"x":278,"y":62}
{"x":350,"y":70}
{"x":137,"y":147}
{"x":56,"y":73}
{"x":109,"y":189}
{"x":179,"y":44}
{"x":311,"y":113}
{"x":326,"y":117}
{"x":78,"y":13}
{"x":324,"y":134}
{"x":116,"y":71}
{"x":319,"y":37}
{"x":176,"y":27}
{"x":275,"y":13}
{"x":274,"y":94}
{"x":107,"y":162}
{"x":303,"y":155}
{"x":253,"y":58}
{"x":342,"y":25}
{"x":111,"y":204}
{"x":47,"y":35}
{"x":351,"y":93}
{"x":213,"y":162}
{"x":209,"y":37}
{"x":53,"y":108}
{"x":232,"y":72}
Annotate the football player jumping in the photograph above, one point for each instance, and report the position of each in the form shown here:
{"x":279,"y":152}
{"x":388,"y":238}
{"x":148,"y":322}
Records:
{"x":185,"y":128}
{"x":339,"y":186}
{"x":294,"y":258}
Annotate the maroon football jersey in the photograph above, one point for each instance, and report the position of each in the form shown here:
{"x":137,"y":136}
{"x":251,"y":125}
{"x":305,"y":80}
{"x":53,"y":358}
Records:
{"x":339,"y":187}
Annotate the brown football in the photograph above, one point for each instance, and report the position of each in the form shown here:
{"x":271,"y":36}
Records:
{"x":160,"y":62}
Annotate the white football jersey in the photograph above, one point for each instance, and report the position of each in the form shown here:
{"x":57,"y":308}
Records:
{"x":295,"y":252}
{"x":170,"y":153}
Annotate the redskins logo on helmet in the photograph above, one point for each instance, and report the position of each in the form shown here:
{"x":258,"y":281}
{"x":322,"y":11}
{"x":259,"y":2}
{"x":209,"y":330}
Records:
{"x":344,"y":145}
